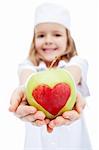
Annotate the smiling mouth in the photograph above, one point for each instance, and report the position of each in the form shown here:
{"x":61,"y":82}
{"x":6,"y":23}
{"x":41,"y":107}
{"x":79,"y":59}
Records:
{"x":49,"y":49}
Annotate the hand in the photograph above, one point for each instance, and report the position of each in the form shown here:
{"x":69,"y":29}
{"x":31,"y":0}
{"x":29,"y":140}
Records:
{"x":20,"y":107}
{"x":69,"y":116}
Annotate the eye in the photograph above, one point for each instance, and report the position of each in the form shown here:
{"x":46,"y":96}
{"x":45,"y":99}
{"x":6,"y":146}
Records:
{"x":57,"y":35}
{"x":40,"y":36}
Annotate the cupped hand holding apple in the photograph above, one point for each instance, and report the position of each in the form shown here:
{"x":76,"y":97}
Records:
{"x":19,"y":106}
{"x":29,"y":113}
{"x":69,"y":117}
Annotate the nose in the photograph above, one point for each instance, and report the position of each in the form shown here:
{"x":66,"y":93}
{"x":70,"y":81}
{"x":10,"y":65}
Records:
{"x":48,"y":40}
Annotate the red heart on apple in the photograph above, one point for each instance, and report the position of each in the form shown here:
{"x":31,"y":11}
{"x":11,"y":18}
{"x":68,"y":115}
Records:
{"x":52,"y":99}
{"x":51,"y":91}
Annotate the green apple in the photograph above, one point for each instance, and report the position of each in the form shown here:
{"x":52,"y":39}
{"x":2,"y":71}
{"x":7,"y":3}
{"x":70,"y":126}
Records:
{"x":52,"y":91}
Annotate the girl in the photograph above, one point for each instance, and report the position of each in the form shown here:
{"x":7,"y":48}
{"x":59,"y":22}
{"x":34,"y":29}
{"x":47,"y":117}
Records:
{"x":52,"y":44}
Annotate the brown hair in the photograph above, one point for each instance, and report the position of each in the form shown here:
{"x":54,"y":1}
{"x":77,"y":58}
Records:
{"x":70,"y":50}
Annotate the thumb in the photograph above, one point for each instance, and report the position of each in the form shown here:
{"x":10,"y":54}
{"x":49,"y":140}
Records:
{"x":14,"y":104}
{"x":16,"y":99}
{"x":80,"y":104}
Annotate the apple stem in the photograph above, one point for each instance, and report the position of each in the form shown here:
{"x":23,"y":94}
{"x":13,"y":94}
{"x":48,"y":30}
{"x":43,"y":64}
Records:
{"x":56,"y":58}
{"x":53,"y":62}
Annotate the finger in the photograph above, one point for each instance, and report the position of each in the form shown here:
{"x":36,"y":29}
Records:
{"x":28,"y":118}
{"x":80,"y":103}
{"x":49,"y":130}
{"x":24,"y":110}
{"x":38,"y":122}
{"x":47,"y":121}
{"x":51,"y":124}
{"x":34,"y":123}
{"x":71,"y":115}
{"x":68,"y":122}
{"x":14,"y":104}
{"x":39,"y":115}
{"x":59,"y":121}
{"x":16,"y":98}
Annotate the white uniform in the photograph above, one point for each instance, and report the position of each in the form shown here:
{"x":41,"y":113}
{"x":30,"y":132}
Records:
{"x":72,"y":137}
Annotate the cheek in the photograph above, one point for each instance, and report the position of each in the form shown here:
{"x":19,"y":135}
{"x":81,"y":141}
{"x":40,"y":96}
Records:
{"x":63,"y":44}
{"x":37,"y":44}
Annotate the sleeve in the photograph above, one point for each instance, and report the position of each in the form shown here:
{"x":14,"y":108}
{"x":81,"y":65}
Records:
{"x":26,"y":64}
{"x":83,"y":64}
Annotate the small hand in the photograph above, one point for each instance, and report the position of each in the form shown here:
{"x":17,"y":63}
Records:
{"x":30,"y":114}
{"x":69,"y":116}
{"x":20,"y":107}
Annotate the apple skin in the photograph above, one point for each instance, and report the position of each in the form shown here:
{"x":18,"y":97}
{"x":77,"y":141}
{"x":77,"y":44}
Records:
{"x":50,"y":77}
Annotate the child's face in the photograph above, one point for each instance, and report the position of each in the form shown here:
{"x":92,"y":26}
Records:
{"x":50,"y":40}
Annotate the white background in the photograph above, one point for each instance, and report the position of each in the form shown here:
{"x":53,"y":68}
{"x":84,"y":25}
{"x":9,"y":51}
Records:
{"x":16,"y":30}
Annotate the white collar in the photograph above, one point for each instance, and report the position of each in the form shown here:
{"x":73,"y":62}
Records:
{"x":60,"y":64}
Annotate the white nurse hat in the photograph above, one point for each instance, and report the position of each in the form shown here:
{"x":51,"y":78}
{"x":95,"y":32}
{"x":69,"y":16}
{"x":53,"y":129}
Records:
{"x":52,"y":13}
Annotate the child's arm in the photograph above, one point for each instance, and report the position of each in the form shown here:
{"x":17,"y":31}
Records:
{"x":75,"y":72}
